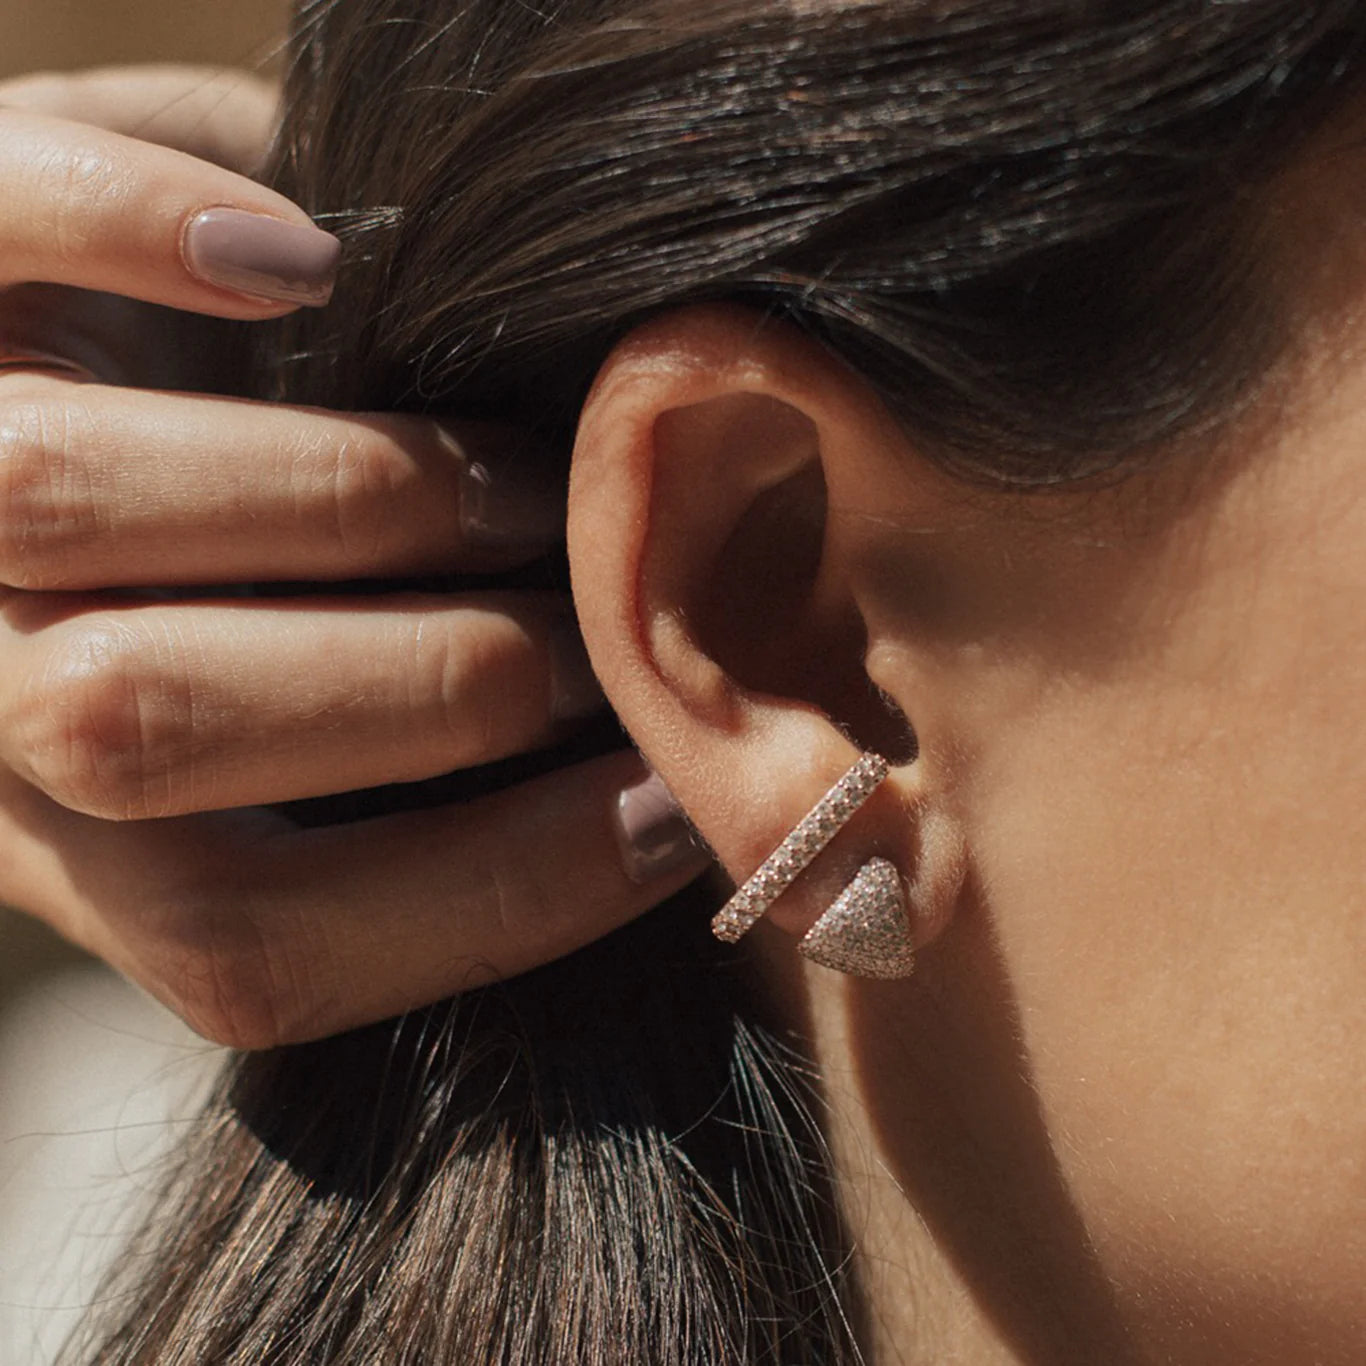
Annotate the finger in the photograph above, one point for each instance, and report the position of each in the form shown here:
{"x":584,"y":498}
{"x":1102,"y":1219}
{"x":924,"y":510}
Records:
{"x":103,"y":487}
{"x":167,"y":708}
{"x":225,"y":116}
{"x":261,"y":935}
{"x":103,"y":211}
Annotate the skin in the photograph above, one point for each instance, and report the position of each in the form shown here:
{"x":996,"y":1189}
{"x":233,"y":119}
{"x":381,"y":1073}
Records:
{"x":1117,"y":1115}
{"x":142,"y":731}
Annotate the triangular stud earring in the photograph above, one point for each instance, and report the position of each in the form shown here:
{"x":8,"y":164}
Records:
{"x":866,"y":932}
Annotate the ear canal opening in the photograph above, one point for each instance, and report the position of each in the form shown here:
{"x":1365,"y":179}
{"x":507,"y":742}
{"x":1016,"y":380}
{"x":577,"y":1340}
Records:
{"x":755,"y":614}
{"x":888,"y":732}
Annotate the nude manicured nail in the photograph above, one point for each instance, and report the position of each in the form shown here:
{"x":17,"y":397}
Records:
{"x":12,"y":358}
{"x":252,"y":253}
{"x":574,"y":688}
{"x":508,"y":504}
{"x":654,"y":836}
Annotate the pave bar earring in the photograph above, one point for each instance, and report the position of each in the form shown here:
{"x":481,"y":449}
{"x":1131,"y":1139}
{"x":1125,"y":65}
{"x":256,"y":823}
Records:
{"x":866,"y":931}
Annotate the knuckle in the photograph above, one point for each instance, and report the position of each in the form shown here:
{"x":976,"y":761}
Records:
{"x":81,"y":189}
{"x":48,"y":509}
{"x":218,"y":971}
{"x":541,"y":916}
{"x":240,"y":973}
{"x":352,"y":496}
{"x":99,"y":723}
{"x":473,"y":710}
{"x":540,"y":921}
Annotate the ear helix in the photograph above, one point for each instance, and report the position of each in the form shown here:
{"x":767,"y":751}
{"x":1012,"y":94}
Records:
{"x":866,"y":931}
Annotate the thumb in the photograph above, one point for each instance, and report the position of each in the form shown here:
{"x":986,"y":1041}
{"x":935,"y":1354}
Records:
{"x":223,"y":116}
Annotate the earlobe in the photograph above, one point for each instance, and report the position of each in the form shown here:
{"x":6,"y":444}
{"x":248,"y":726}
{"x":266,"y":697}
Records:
{"x":720,"y":608}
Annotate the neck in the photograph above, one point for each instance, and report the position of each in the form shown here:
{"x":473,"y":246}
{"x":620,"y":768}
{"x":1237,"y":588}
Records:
{"x":971,"y":1250}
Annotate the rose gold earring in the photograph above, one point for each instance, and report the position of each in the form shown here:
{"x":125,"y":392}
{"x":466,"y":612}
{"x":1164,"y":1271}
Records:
{"x":866,"y":932}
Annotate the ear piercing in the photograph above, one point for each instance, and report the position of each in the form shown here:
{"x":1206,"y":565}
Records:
{"x":796,"y":853}
{"x":866,"y":931}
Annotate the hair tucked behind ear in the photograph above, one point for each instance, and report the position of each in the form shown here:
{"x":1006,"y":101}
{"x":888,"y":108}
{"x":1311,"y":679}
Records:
{"x":1031,"y":223}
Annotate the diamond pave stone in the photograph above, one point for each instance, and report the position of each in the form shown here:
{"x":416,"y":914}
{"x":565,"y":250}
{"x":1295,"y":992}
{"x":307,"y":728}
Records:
{"x":866,"y":931}
{"x":796,"y":853}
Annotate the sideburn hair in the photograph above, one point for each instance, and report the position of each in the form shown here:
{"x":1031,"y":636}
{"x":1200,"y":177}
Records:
{"x":1029,"y":224}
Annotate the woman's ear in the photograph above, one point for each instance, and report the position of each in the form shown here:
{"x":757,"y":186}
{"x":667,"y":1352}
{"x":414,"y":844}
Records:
{"x":728,"y":496}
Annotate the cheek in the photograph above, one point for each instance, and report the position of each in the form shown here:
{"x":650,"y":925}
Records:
{"x":1174,"y":871}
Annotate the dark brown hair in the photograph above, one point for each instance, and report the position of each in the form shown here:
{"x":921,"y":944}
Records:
{"x":1030,"y":224}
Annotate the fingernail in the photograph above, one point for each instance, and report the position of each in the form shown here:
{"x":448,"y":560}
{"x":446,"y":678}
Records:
{"x":508,"y":503}
{"x":654,"y":836}
{"x":255,"y":254}
{"x":14,"y":359}
{"x":575,"y":690}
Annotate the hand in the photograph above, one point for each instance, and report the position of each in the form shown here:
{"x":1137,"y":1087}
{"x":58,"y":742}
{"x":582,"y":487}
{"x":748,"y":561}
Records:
{"x":141,"y":731}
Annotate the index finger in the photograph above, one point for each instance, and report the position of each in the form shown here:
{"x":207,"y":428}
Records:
{"x":101,"y":211}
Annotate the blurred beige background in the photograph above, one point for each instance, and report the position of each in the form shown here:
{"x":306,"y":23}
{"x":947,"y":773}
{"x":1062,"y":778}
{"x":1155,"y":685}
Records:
{"x":37,"y":34}
{"x":95,"y":1080}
